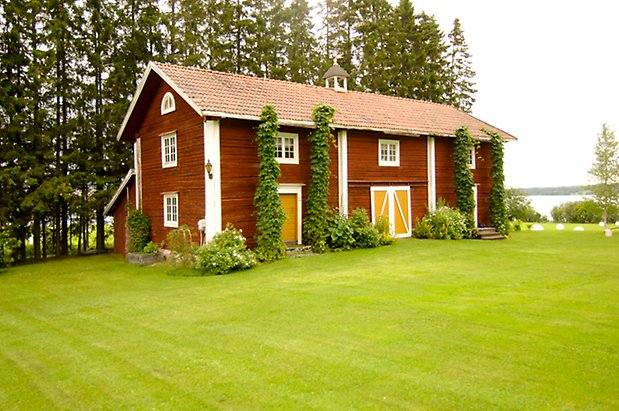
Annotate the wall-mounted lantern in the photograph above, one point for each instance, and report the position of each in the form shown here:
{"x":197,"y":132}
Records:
{"x":209,"y":169}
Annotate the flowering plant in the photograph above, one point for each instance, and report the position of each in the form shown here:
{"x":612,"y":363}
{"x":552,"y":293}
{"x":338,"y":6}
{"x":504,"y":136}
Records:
{"x":226,"y":252}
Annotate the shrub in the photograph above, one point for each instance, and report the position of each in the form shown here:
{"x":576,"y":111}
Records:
{"x":151,"y":248}
{"x":339,"y":231}
{"x":355,"y":231}
{"x":226,"y":252}
{"x":384,"y":231}
{"x":444,"y":223}
{"x":138,"y":230}
{"x":582,"y":212}
{"x":365,"y":234}
{"x":183,"y":249}
{"x":7,"y":245}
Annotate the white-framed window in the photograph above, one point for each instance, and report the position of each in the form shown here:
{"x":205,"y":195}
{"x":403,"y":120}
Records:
{"x":472,"y":157}
{"x":287,"y":148}
{"x":168,"y":104}
{"x":170,"y":210}
{"x":168,"y":150}
{"x":389,"y":153}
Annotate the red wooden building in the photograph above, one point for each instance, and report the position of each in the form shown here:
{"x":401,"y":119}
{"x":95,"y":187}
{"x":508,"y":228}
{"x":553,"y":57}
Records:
{"x":194,"y":132}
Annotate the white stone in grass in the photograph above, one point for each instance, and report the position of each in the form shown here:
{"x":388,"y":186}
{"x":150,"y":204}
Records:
{"x":560,"y":227}
{"x":537,"y":227}
{"x":579,"y":228}
{"x":616,"y":222}
{"x":601,"y":224}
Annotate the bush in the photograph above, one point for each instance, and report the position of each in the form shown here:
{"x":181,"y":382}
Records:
{"x":151,"y":248}
{"x":183,"y":249}
{"x":384,"y":231}
{"x":365,"y":234}
{"x":356,"y":231}
{"x":582,"y":212}
{"x":339,"y":232}
{"x":444,"y":223}
{"x":138,"y":230}
{"x":7,"y":245}
{"x":226,"y":252}
{"x":519,"y":207}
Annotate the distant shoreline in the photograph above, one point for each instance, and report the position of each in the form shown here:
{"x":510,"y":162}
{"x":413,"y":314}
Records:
{"x":556,"y":191}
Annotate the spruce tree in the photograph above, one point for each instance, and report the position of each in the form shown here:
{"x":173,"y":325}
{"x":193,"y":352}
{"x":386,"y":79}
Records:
{"x":460,"y":85}
{"x":301,"y":48}
{"x":374,"y":45}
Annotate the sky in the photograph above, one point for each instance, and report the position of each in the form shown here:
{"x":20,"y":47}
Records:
{"x":547,"y":72}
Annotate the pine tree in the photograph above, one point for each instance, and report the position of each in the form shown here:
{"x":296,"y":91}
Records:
{"x":460,"y":86}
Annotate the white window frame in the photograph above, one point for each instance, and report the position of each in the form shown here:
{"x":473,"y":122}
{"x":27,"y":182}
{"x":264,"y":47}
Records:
{"x":387,"y":162}
{"x":280,"y":139}
{"x":472,"y":155}
{"x":170,"y":210}
{"x":168,"y":103}
{"x":169,"y":159}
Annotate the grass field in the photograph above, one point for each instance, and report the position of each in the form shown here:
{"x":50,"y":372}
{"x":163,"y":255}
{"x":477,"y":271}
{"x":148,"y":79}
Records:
{"x":527,"y":323}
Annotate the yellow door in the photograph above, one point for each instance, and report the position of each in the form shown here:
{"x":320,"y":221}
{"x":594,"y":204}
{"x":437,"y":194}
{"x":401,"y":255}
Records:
{"x":289,"y":230}
{"x":393,"y":203}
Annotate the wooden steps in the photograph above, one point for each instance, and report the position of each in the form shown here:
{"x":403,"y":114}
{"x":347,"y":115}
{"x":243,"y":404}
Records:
{"x":489,"y":233}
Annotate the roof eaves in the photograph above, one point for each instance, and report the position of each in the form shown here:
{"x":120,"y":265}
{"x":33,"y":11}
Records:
{"x":118,"y":192}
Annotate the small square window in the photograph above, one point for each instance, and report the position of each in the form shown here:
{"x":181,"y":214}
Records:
{"x":170,"y":210}
{"x":287,"y":148}
{"x":389,"y":153}
{"x":168,"y":150}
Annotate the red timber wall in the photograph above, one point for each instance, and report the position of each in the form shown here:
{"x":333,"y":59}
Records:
{"x":239,"y":172}
{"x":445,"y":183}
{"x":120,"y":218}
{"x":364,"y":171}
{"x":187,"y":178}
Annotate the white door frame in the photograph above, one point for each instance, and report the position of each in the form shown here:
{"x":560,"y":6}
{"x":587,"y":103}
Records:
{"x":296,"y":189}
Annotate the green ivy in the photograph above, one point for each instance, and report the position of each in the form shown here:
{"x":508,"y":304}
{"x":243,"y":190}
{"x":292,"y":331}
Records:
{"x":270,"y":215}
{"x":138,"y":230}
{"x":315,"y":224}
{"x":465,"y":201}
{"x":498,"y":209}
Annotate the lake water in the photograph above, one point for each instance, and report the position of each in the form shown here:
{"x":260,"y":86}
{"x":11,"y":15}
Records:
{"x":545,"y":204}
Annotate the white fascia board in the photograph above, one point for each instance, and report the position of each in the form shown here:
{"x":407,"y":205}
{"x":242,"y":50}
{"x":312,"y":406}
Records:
{"x":153,"y":67}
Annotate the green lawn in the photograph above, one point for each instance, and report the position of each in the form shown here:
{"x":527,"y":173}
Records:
{"x":527,"y":323}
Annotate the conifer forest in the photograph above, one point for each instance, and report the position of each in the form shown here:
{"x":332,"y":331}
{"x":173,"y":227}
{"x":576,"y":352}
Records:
{"x":68,"y":71}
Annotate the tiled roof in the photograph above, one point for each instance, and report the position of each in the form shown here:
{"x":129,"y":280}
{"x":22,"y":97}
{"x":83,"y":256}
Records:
{"x":233,"y":95}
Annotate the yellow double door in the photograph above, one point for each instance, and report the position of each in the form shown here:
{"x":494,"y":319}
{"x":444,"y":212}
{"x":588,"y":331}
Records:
{"x":393,"y":203}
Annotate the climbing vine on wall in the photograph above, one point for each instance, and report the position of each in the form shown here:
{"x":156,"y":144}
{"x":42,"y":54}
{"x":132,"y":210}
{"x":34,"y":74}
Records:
{"x":269,"y":212}
{"x":498,"y":210}
{"x":315,"y":224}
{"x":465,"y":201}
